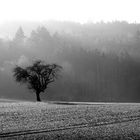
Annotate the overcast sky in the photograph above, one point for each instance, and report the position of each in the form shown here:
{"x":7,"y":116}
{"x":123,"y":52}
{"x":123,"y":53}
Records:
{"x":72,"y":10}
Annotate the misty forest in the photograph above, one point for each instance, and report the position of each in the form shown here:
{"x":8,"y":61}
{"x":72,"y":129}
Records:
{"x":101,"y":61}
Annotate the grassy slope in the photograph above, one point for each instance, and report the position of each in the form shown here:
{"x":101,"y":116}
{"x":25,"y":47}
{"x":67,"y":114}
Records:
{"x":69,"y":121}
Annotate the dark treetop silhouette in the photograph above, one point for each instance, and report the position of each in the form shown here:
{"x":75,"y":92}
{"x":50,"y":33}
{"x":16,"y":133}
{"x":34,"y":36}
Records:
{"x":37,"y":76}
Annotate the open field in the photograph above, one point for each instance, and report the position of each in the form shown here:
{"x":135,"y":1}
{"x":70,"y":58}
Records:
{"x":101,"y":121}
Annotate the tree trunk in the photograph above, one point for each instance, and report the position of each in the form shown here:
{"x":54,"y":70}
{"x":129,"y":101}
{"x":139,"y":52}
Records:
{"x":38,"y":97}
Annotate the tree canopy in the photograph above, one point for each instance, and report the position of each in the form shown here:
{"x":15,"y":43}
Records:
{"x":37,"y":76}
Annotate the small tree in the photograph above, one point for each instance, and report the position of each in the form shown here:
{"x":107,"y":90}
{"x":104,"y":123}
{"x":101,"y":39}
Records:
{"x":37,"y":76}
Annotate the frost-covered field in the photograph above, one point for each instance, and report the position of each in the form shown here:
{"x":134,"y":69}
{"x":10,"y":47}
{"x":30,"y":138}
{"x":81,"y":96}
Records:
{"x":30,"y":120}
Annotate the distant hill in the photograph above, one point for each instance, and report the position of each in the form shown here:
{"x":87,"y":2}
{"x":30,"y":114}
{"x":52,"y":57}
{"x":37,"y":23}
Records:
{"x":8,"y":29}
{"x":101,"y":61}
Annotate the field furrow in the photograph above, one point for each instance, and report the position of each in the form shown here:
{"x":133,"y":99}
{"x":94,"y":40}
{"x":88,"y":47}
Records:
{"x":27,"y":118}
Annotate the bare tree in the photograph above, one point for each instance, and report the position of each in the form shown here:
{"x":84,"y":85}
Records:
{"x":37,"y":76}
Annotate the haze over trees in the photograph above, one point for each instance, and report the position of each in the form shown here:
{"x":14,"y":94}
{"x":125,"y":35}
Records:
{"x":100,"y":60}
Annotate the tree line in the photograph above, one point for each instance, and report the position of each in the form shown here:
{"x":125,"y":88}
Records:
{"x":96,"y":66}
